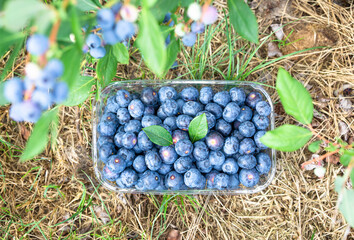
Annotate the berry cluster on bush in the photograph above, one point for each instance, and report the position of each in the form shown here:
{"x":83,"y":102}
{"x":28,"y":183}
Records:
{"x":40,"y":88}
{"x":228,"y":155}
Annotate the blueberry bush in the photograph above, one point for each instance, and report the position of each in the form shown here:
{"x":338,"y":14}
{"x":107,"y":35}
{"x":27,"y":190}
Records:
{"x":297,"y":102}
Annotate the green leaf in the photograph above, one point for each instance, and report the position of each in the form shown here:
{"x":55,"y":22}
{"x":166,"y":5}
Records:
{"x":295,"y":98}
{"x":8,"y":39}
{"x":346,"y":205}
{"x":76,"y":26}
{"x":352,"y":176}
{"x":80,"y":91}
{"x":287,"y":138}
{"x":121,"y":53}
{"x":162,"y":7}
{"x":149,"y":3}
{"x":107,"y":67}
{"x":198,"y":128}
{"x":315,"y":146}
{"x":330,"y":147}
{"x":151,"y":43}
{"x":3,"y":99}
{"x":172,"y":51}
{"x":186,"y":3}
{"x":243,"y":20}
{"x":71,"y":58}
{"x":347,"y":156}
{"x":14,"y":54}
{"x":18,"y":13}
{"x":158,"y":135}
{"x":39,"y":136}
{"x":87,"y":5}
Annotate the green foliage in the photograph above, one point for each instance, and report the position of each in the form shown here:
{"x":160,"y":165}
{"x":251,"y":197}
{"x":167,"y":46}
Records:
{"x":3,"y":99}
{"x":347,"y":156}
{"x":87,"y":5}
{"x":158,"y":135}
{"x":243,"y":20}
{"x":80,"y":90}
{"x":151,"y":42}
{"x":172,"y":51}
{"x":162,"y":7}
{"x":14,"y":54}
{"x":287,"y":138}
{"x":8,"y":39}
{"x":346,"y":200}
{"x":71,"y":58}
{"x":294,"y":97}
{"x":315,"y":146}
{"x":39,"y":136}
{"x":121,"y":53}
{"x":107,"y":67}
{"x":198,"y":128}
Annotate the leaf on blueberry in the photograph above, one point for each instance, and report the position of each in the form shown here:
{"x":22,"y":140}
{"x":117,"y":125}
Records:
{"x":198,"y":128}
{"x":158,"y":135}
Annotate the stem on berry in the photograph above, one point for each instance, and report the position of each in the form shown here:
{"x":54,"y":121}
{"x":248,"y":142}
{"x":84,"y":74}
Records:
{"x":319,"y":159}
{"x":28,"y":93}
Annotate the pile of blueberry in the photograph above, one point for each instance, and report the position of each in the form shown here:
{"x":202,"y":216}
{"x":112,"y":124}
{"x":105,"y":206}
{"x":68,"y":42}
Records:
{"x":115,"y":24}
{"x":40,"y":88}
{"x":231,"y":153}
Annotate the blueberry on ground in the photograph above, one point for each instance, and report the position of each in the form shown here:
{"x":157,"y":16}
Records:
{"x":123,"y":116}
{"x":222,"y":98}
{"x":200,"y":151}
{"x":230,"y":166}
{"x":190,"y":94}
{"x":223,"y":127}
{"x":234,"y":182}
{"x":170,"y":107}
{"x":149,"y":120}
{"x":253,"y":98}
{"x":149,"y":180}
{"x":216,"y":157}
{"x":183,"y":122}
{"x":133,"y":126}
{"x":247,"y":129}
{"x":261,"y":122}
{"x":136,"y":108}
{"x":139,"y":164}
{"x":249,"y":177}
{"x":129,"y":140}
{"x":191,"y":108}
{"x":129,"y":177}
{"x":215,"y":109}
{"x":206,"y":95}
{"x":247,"y":161}
{"x":263,"y":108}
{"x":214,"y":140}
{"x":149,"y":96}
{"x":263,"y":163}
{"x":108,"y":174}
{"x":245,"y":114}
{"x":168,"y":154}
{"x":173,"y":180}
{"x":166,"y":93}
{"x":257,"y":137}
{"x":116,"y":163}
{"x":231,"y":111}
{"x":221,"y":181}
{"x":184,"y":147}
{"x":105,"y":151}
{"x":194,"y":179}
{"x":238,"y":95}
{"x":183,"y":164}
{"x":204,"y":166}
{"x":247,"y":146}
{"x":179,"y":135}
{"x":153,"y":160}
{"x":128,"y":155}
{"x":210,"y":118}
{"x":123,"y":98}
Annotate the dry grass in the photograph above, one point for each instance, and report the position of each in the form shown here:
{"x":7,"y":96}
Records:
{"x":295,"y":206}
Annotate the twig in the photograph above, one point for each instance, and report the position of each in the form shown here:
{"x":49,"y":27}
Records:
{"x":320,"y":137}
{"x":319,"y":159}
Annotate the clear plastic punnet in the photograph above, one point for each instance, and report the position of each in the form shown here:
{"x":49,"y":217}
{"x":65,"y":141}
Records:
{"x":136,"y":86}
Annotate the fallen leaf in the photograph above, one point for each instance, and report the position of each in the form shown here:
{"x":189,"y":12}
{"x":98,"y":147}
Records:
{"x":345,"y":103}
{"x":101,"y":214}
{"x":312,"y":166}
{"x":273,"y":50}
{"x":278,"y":31}
{"x":343,"y":129}
{"x":333,"y":159}
{"x":25,"y":133}
{"x":174,"y":235}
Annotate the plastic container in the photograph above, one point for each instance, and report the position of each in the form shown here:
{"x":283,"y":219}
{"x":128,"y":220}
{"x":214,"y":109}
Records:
{"x":135,"y":86}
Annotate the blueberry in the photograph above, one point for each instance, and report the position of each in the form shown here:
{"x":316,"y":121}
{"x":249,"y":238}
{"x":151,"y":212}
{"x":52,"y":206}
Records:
{"x":201,"y":151}
{"x":230,"y":166}
{"x":14,"y":89}
{"x":129,"y":177}
{"x":223,"y":127}
{"x":234,"y":182}
{"x":257,"y":137}
{"x":179,"y":135}
{"x":247,"y":146}
{"x":222,"y":98}
{"x":116,"y":163}
{"x":218,"y":167}
{"x":238,"y":135}
{"x":133,"y":126}
{"x":112,"y":105}
{"x":153,"y":160}
{"x":149,"y":110}
{"x":149,"y":180}
{"x":190,"y":94}
{"x":173,"y":180}
{"x":116,"y":7}
{"x":118,"y":139}
{"x":249,"y":177}
{"x":216,"y":157}
{"x":128,"y":155}
{"x":110,"y":37}
{"x":215,"y":109}
{"x":180,"y":103}
{"x":168,"y":154}
{"x":189,"y":39}
{"x":102,"y":139}
{"x":167,"y":18}
{"x":105,"y":18}
{"x":137,"y":149}
{"x":98,"y":52}
{"x":109,"y":117}
{"x":150,"y":120}
{"x":253,"y":98}
{"x":149,"y":96}
{"x":247,"y":161}
{"x":191,"y":108}
{"x":184,"y":147}
{"x":123,"y":116}
{"x":129,"y":140}
{"x":165,"y":168}
{"x":55,"y":68}
{"x":136,"y":108}
{"x":197,"y":27}
{"x":170,"y":107}
{"x":161,"y":114}
{"x":60,"y":92}
{"x":210,"y":178}
{"x":139,"y":164}
{"x":161,"y":186}
{"x":135,"y":96}
{"x":144,"y":142}
{"x":247,"y":129}
{"x":238,"y":95}
{"x":123,"y":98}
{"x":43,"y":98}
{"x":204,"y":166}
{"x":107,"y":128}
{"x":245,"y":114}
{"x":206,"y":95}
{"x":214,"y":141}
{"x":210,"y":15}
{"x":25,"y":111}
{"x":167,"y":93}
{"x":221,"y":181}
{"x":124,"y":30}
{"x":183,"y":164}
{"x":37,"y":44}
{"x":183,"y":122}
{"x":263,"y":108}
{"x":263,"y":163}
{"x":210,"y":118}
{"x":171,"y":123}
{"x":109,"y":175}
{"x":45,"y":80}
{"x":261,"y":122}
{"x":231,"y":111}
{"x":119,"y":183}
{"x":194,"y":179}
